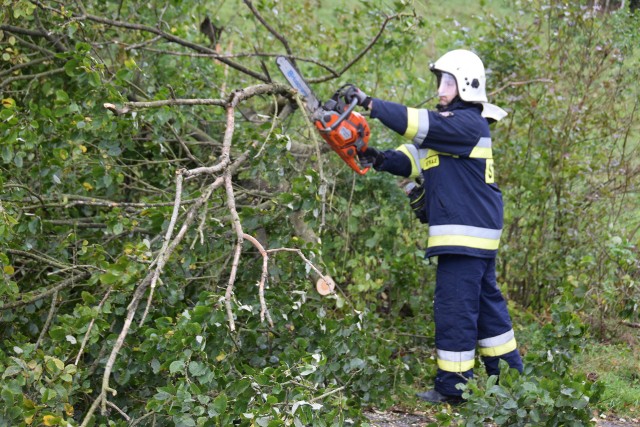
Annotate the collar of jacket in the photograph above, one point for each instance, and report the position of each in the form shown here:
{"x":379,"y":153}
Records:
{"x":458,"y":104}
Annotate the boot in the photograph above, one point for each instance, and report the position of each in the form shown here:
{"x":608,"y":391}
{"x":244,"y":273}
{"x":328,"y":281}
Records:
{"x":433,"y":396}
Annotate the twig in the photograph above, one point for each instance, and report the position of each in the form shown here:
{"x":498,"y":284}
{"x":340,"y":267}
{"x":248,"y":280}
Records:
{"x":184,"y":147}
{"x":526,"y":82}
{"x":161,"y":259}
{"x":309,"y":263}
{"x":113,"y":405}
{"x":52,"y":311}
{"x":91,"y":410}
{"x":264,"y":311}
{"x":139,"y":45}
{"x":47,"y":34}
{"x":368,"y":47}
{"x":273,"y":125}
{"x":31,"y":76}
{"x":30,"y":191}
{"x":272,"y":30}
{"x":203,"y":219}
{"x":88,"y":333}
{"x":136,"y":422}
{"x":236,"y":253}
{"x":170,"y":38}
{"x":70,"y":282}
{"x":329,"y":393}
{"x":40,"y":258}
{"x":314,"y":138}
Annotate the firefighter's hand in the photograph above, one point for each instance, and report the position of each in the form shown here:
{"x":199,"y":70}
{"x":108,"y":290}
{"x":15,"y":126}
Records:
{"x":371,"y":157}
{"x":352,"y":92}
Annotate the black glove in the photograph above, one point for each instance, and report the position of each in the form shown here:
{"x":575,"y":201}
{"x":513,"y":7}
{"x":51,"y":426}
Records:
{"x":417,"y":199}
{"x":350,"y":92}
{"x":371,"y":157}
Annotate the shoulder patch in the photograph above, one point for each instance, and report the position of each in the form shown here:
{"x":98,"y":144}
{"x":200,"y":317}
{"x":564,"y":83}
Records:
{"x":446,"y":114}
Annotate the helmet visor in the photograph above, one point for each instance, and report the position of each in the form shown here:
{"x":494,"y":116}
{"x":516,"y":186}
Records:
{"x":447,"y":87}
{"x":447,"y":80}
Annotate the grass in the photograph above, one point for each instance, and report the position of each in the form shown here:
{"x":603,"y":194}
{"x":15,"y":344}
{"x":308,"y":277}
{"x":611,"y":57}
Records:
{"x":615,"y":365}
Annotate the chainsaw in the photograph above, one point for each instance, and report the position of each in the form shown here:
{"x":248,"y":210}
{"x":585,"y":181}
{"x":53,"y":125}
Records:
{"x":346,"y":131}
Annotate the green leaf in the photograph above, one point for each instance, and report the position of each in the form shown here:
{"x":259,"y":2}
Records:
{"x":176,"y":366}
{"x":88,"y":298}
{"x":220,"y":404}
{"x":11,"y":370}
{"x":184,"y":420}
{"x":196,"y":368}
{"x":53,"y":365}
{"x":110,"y":278}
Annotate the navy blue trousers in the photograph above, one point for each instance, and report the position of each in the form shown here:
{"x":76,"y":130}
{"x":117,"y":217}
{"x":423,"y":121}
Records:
{"x":470,"y":311}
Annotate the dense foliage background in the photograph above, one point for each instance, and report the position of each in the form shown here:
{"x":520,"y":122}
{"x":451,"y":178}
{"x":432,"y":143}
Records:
{"x":166,"y":210}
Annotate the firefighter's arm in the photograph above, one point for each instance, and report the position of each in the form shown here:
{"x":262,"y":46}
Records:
{"x":454,"y":133}
{"x":393,"y":161}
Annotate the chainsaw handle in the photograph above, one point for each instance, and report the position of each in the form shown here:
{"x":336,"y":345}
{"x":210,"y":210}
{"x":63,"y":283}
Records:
{"x":347,"y":112}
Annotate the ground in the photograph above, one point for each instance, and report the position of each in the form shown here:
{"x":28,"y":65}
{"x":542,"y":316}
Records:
{"x":394,"y":418}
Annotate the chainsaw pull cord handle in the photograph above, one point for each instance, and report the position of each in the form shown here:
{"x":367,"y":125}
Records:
{"x":343,"y":116}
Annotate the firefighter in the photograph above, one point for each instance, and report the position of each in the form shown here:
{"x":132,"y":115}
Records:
{"x":450,"y":151}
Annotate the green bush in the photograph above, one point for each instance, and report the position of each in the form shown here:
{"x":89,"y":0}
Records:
{"x":548,"y":392}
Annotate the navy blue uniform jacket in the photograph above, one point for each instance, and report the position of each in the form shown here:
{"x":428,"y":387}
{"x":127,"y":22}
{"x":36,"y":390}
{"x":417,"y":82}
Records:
{"x":452,"y":150}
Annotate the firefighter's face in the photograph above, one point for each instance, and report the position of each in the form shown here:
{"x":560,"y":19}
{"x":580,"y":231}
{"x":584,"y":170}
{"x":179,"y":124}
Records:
{"x":448,"y":89}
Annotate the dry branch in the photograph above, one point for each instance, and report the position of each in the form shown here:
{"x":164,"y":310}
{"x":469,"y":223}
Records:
{"x":70,"y":282}
{"x":631,"y":325}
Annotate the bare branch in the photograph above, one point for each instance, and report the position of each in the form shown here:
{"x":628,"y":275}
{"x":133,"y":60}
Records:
{"x":272,"y":30}
{"x":162,"y":258}
{"x":184,"y":146}
{"x":173,"y":39}
{"x":87,"y":334}
{"x":47,"y":323}
{"x":40,"y":258}
{"x":24,"y":31}
{"x":31,"y":76}
{"x":236,"y":97}
{"x":631,"y":325}
{"x":48,"y":35}
{"x":309,"y":263}
{"x":70,"y":282}
{"x":25,"y":65}
{"x":264,"y":311}
{"x":359,"y":56}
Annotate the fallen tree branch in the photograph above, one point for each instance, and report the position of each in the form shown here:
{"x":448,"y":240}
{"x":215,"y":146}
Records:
{"x":236,"y":97}
{"x":631,"y":325}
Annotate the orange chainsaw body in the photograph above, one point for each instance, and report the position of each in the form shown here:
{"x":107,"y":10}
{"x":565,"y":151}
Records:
{"x":347,"y":138}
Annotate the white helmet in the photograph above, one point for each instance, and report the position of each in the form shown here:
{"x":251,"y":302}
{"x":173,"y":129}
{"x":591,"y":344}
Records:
{"x":468,"y":71}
